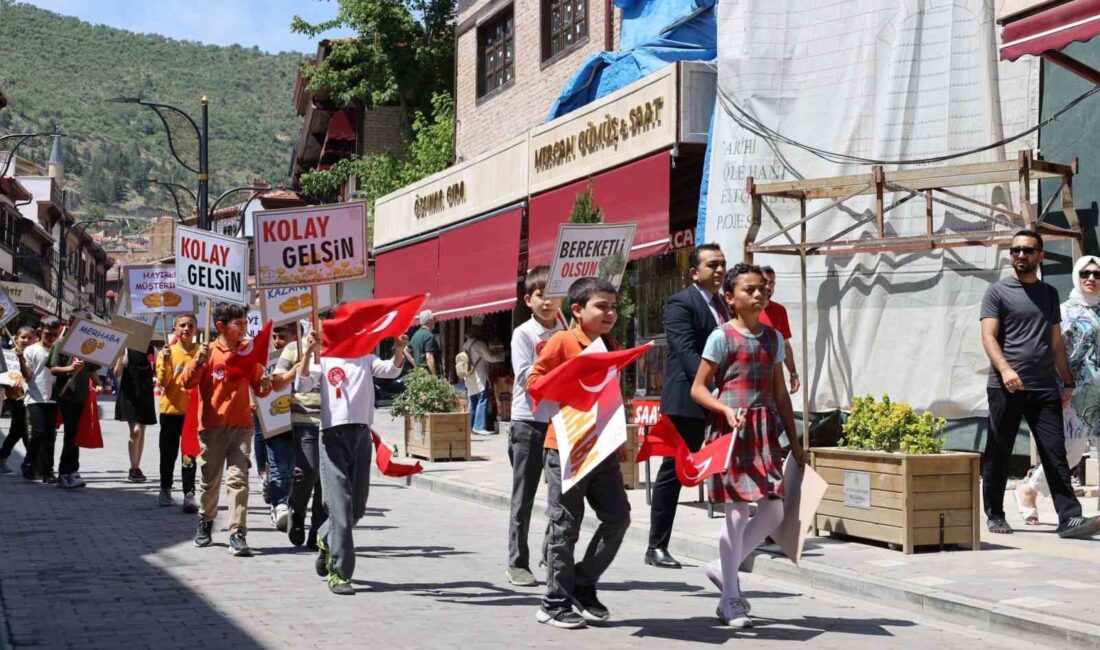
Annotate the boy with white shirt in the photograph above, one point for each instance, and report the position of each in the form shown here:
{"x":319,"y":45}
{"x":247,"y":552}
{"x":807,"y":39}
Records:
{"x":41,"y":407}
{"x":528,"y":431}
{"x":347,"y":410}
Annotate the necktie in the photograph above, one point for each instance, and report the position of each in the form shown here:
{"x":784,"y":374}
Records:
{"x":720,"y":307}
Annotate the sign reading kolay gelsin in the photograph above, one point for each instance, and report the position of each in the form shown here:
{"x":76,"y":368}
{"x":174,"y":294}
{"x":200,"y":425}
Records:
{"x":93,"y":342}
{"x":589,"y":250}
{"x":212,"y":265}
{"x":317,"y":244}
{"x":151,"y":289}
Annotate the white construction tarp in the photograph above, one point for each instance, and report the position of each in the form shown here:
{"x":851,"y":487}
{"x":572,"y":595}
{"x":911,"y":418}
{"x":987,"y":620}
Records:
{"x":880,"y":79}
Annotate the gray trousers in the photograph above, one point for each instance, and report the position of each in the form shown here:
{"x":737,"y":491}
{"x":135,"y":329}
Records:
{"x":603,"y":488}
{"x":345,"y":483}
{"x":525,"y":453}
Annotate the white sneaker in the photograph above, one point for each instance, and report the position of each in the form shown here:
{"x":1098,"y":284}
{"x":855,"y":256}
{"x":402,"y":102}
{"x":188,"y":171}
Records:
{"x":189,"y":505}
{"x":732,"y":613}
{"x":77,"y":480}
{"x":281,"y":517}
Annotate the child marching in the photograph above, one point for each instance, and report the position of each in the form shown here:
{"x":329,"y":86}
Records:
{"x":174,"y":402}
{"x":744,"y":359}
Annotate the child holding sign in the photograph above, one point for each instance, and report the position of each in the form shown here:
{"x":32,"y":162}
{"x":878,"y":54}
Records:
{"x":174,"y":402}
{"x":223,"y":377}
{"x":14,"y":395}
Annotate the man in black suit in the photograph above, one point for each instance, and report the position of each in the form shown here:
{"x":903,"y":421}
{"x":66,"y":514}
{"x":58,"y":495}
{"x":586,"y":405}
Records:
{"x":690,"y":316}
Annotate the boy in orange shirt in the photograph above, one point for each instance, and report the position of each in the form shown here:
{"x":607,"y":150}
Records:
{"x":225,"y":423}
{"x":571,"y":600}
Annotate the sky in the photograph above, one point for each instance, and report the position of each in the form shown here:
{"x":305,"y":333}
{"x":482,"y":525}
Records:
{"x":263,"y":23}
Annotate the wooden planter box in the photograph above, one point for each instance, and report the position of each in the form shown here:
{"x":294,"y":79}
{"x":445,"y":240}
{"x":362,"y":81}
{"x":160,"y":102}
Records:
{"x":438,"y":436}
{"x":900,"y":498}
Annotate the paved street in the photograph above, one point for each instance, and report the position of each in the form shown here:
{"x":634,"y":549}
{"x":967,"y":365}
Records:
{"x":105,"y":567}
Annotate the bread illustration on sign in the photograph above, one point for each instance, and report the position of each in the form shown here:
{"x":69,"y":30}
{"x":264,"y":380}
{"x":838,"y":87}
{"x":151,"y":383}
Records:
{"x":290,"y":305}
{"x":89,"y":346}
{"x":172,"y":299}
{"x":153,"y":300}
{"x":280,"y":405}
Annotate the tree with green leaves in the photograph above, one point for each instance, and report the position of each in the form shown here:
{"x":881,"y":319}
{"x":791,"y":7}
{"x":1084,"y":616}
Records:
{"x":585,"y":210}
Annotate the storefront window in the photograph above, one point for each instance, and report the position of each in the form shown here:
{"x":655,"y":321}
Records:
{"x":657,"y":278}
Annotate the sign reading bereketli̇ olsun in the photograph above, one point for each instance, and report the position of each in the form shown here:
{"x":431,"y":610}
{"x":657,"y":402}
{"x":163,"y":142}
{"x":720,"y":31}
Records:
{"x":317,"y":244}
{"x":212,"y":265}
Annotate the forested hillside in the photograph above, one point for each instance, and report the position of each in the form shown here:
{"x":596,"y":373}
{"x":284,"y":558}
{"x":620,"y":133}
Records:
{"x":58,"y":71}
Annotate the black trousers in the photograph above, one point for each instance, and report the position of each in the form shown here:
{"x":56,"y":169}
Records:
{"x":666,"y":487}
{"x":171,"y":430}
{"x":18,"y":429}
{"x":305,"y":478}
{"x":43,"y":419}
{"x":525,"y":454}
{"x":71,"y":413}
{"x":1043,"y":411}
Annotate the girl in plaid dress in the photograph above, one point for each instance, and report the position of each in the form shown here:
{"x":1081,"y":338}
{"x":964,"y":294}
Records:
{"x":744,"y":359}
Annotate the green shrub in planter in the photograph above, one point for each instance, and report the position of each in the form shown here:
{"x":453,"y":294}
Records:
{"x":425,"y":394}
{"x":892,"y":426}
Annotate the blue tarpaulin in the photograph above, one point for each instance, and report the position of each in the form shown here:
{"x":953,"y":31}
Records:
{"x":654,"y":33}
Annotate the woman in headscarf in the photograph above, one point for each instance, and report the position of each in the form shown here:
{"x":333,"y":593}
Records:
{"x":1081,"y":332}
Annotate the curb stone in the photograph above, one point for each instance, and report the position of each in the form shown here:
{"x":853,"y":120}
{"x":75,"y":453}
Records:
{"x":974,"y":613}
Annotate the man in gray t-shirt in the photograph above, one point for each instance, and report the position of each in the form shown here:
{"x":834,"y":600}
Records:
{"x":1022,"y":338}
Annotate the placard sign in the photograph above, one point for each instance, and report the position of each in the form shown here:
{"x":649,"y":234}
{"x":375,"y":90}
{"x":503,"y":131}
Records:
{"x":93,"y":342}
{"x":647,"y":412}
{"x":857,"y":489}
{"x":589,"y":250}
{"x":212,"y":265}
{"x":274,"y":410}
{"x":8,"y":310}
{"x":317,"y":244}
{"x":13,"y":374}
{"x":291,"y":304}
{"x":255,"y":323}
{"x":151,"y":289}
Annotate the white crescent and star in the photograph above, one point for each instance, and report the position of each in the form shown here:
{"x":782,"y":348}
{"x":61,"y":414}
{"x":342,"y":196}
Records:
{"x":385,"y":322}
{"x":611,"y":374}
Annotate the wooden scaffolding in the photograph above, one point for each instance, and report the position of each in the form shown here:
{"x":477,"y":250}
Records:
{"x":930,"y":183}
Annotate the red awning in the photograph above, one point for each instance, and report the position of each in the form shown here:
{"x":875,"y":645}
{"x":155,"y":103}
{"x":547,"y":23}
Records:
{"x":339,"y":127}
{"x":408,"y":270}
{"x":1051,"y":28}
{"x":638,"y":192}
{"x":479,"y":266}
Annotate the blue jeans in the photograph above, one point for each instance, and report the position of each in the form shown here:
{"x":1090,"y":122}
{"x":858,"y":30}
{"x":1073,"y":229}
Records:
{"x":259,"y":449}
{"x":479,"y":404}
{"x":280,"y":466}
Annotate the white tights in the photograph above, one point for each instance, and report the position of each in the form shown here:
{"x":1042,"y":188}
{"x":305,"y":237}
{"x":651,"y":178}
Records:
{"x":741,"y":535}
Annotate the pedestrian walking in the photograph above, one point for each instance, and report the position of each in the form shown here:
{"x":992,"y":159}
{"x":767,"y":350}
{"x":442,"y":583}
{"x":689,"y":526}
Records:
{"x":528,"y":430}
{"x":305,"y":478}
{"x":347,"y":411}
{"x":744,"y":359}
{"x":174,"y":402}
{"x":223,"y":379}
{"x":425,"y":346}
{"x":1022,"y":337}
{"x":690,"y":316}
{"x":70,"y":393}
{"x":13,"y":399}
{"x":280,"y":446}
{"x":41,"y":406}
{"x":1081,"y":333}
{"x":775,"y":317}
{"x":472,"y":366}
{"x":571,"y":599}
{"x":134,"y":405}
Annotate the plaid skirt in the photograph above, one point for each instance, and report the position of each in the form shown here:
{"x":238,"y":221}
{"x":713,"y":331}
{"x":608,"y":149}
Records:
{"x":756,"y":467}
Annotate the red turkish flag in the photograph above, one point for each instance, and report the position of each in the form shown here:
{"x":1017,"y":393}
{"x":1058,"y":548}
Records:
{"x":383,"y":458}
{"x":89,"y":435}
{"x":356,"y":328}
{"x":578,"y":382}
{"x":255,"y":351}
{"x":692,"y":469}
{"x":189,"y":440}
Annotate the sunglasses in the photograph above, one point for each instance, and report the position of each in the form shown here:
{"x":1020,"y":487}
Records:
{"x":1023,"y":250}
{"x":1085,"y":275}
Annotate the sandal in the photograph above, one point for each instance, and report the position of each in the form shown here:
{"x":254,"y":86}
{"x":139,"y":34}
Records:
{"x":1028,"y":512}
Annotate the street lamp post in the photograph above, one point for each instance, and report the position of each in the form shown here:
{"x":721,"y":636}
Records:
{"x":200,"y":165}
{"x":255,"y":189}
{"x":171,"y":189}
{"x":24,"y":137}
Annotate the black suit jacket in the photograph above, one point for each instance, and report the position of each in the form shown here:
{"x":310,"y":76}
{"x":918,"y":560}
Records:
{"x":688,"y":322}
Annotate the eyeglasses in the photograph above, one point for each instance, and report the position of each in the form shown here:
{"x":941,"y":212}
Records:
{"x":1023,"y":250}
{"x":1086,"y":274}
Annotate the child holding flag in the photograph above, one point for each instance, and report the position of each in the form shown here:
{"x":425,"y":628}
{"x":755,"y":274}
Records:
{"x":571,"y":585}
{"x":744,"y":358}
{"x":345,"y":369}
{"x":223,"y":372}
{"x":13,"y":396}
{"x":174,"y":400}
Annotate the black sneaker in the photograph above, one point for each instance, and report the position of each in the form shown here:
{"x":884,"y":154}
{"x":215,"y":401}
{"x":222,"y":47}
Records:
{"x":28,"y":473}
{"x":202,"y":535}
{"x":563,"y":618}
{"x":297,"y":530}
{"x":49,"y":478}
{"x":311,"y":540}
{"x":1079,"y":527}
{"x":588,"y":606}
{"x":135,"y":476}
{"x":239,"y":546}
{"x":320,"y":565}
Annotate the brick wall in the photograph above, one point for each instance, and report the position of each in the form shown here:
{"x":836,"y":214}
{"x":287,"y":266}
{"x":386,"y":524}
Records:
{"x":382,"y":131}
{"x":481,"y":125}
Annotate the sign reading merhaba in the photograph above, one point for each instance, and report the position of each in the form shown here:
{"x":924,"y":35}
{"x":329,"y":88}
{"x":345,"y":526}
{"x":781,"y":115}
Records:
{"x":94,"y":343}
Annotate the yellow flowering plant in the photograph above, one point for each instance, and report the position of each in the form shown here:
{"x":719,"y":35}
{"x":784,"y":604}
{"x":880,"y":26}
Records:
{"x":892,"y":427}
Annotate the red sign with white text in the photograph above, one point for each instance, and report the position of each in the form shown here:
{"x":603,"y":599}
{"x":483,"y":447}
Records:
{"x":647,"y":412}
